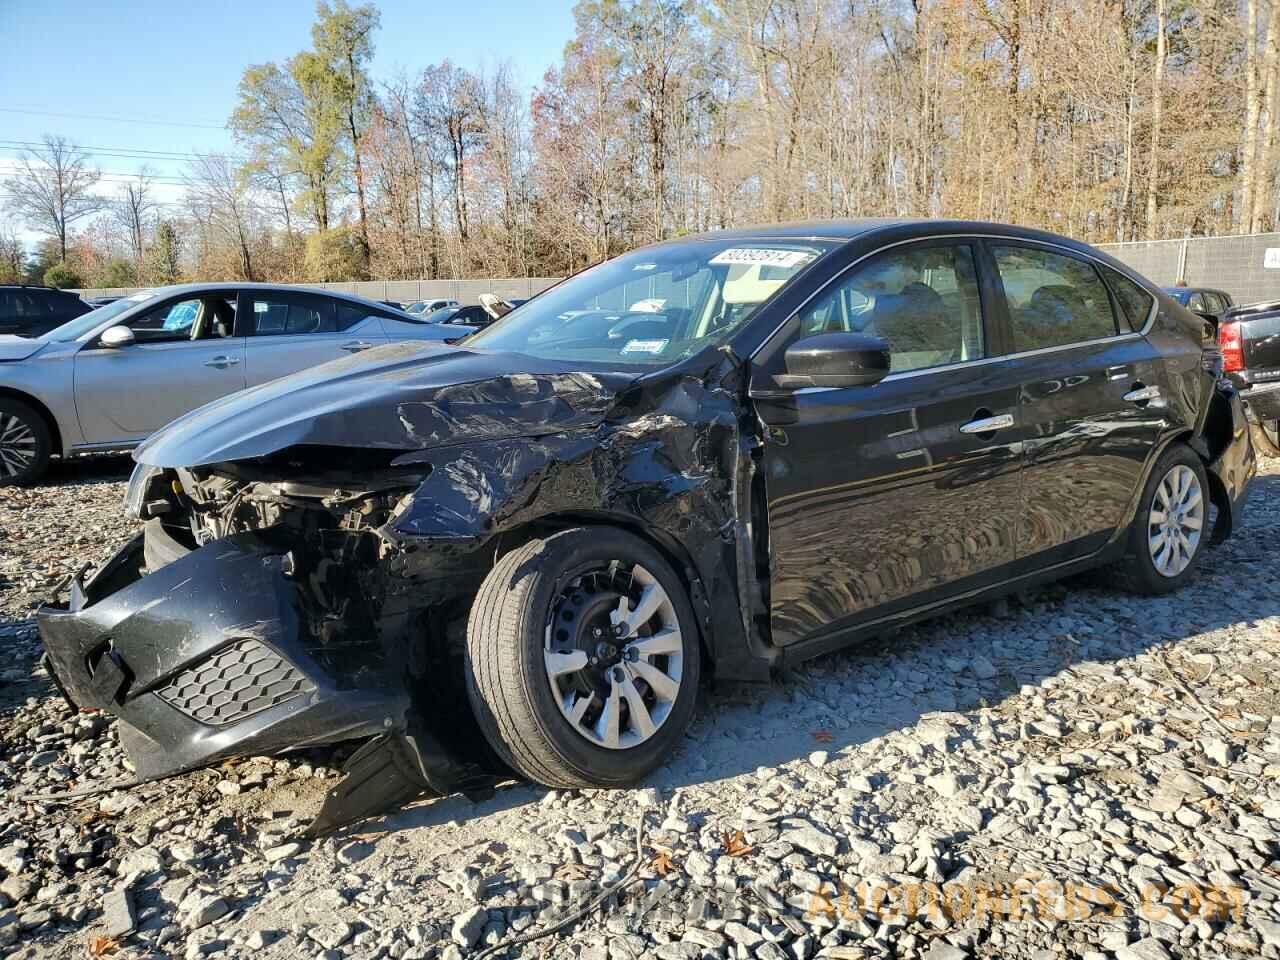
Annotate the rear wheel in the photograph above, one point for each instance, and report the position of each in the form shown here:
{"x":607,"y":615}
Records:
{"x":1171,"y":529}
{"x":582,"y":658}
{"x":25,"y":444}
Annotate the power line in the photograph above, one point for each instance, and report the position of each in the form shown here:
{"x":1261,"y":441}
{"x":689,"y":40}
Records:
{"x":95,"y":116}
{"x":130,"y":153}
{"x":114,"y":176}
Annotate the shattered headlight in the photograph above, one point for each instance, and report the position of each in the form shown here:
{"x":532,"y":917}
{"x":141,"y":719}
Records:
{"x":135,"y":497}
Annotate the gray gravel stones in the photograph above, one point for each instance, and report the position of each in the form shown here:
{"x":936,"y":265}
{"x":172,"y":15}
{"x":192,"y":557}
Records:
{"x":1047,"y":745}
{"x":468,"y":926}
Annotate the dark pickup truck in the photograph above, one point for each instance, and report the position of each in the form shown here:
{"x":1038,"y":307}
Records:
{"x":1249,"y":338}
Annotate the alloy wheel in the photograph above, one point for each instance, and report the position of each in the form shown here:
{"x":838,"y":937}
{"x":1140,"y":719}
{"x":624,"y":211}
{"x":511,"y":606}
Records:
{"x":1176,"y":521}
{"x":614,"y":655}
{"x":17,"y":445}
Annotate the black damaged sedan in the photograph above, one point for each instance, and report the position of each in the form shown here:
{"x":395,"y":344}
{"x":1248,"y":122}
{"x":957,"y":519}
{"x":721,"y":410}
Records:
{"x":520,"y":554}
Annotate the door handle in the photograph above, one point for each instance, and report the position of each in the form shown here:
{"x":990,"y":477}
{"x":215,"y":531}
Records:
{"x":355,"y":346}
{"x":1142,"y":395}
{"x":988,"y":424}
{"x":221,"y":362}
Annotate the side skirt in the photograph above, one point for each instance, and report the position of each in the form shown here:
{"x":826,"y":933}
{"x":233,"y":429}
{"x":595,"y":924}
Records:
{"x":838,"y":640}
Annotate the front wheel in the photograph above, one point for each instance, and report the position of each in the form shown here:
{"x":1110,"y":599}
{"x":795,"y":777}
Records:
{"x":582,"y":658}
{"x":1170,"y":532}
{"x":25,"y":443}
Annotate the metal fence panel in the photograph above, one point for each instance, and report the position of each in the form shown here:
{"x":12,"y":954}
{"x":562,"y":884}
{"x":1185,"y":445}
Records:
{"x":1239,"y":265}
{"x":1157,"y":260}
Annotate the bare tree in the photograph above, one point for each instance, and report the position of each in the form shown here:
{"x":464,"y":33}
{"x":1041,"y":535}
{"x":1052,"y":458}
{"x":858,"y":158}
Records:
{"x":1157,"y":115}
{"x":218,"y":195}
{"x":55,"y":189}
{"x":133,"y":208}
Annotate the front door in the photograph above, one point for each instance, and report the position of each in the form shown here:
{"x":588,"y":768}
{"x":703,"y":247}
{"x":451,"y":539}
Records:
{"x":1091,"y":397}
{"x":892,"y":496}
{"x":288,"y":331}
{"x":184,"y":355}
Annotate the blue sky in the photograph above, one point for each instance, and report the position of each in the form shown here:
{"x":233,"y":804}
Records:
{"x":178,"y":63}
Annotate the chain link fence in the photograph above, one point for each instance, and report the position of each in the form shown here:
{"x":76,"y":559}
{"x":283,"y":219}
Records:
{"x":1247,"y":267}
{"x":400,"y":291}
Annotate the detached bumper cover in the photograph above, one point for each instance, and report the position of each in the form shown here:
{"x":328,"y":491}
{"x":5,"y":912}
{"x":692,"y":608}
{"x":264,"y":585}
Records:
{"x":1262,"y":401}
{"x":1235,"y":467}
{"x":210,"y":656}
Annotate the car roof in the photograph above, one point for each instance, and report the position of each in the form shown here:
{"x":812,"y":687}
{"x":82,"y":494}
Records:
{"x":903,"y":227}
{"x":181,"y":288}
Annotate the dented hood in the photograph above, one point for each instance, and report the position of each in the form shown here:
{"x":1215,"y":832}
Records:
{"x":404,"y":396}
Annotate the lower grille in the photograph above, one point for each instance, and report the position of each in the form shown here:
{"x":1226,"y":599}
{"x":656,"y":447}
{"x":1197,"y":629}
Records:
{"x":236,"y":682}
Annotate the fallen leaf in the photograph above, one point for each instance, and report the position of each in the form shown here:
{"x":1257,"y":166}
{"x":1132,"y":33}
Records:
{"x":571,"y":871}
{"x":735,"y":844}
{"x":101,"y":946}
{"x":94,"y":816}
{"x":662,"y":864}
{"x":823,"y":736}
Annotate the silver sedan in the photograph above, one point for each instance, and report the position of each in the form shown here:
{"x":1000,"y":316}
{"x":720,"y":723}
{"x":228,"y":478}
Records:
{"x":108,"y":379}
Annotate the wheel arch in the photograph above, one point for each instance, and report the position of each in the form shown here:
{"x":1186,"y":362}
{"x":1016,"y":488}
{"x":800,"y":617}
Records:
{"x":1207,"y":443}
{"x":671,"y":550}
{"x":55,"y":432}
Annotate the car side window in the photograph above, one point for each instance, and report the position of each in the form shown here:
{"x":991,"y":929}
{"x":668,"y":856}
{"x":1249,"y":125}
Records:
{"x":1054,"y":300}
{"x":1214,"y":303}
{"x":274,"y":315}
{"x":923,"y":301}
{"x":350,"y":314}
{"x":167,"y":322}
{"x":1135,"y":302}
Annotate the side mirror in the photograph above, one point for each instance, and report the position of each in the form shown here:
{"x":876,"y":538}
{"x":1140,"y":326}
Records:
{"x":835,"y":360}
{"x":116,"y":337}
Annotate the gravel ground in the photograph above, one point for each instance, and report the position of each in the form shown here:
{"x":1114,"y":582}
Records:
{"x":1077,"y":773}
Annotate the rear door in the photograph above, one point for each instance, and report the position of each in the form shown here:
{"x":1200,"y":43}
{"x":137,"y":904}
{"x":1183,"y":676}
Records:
{"x":901,"y":494}
{"x":287,"y":331}
{"x":182,"y":358}
{"x":1091,"y":398}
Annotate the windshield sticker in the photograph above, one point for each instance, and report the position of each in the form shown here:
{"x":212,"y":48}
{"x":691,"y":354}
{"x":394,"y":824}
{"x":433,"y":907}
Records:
{"x":645,"y":266}
{"x":756,"y":255}
{"x":645,"y":346}
{"x":139,"y":297}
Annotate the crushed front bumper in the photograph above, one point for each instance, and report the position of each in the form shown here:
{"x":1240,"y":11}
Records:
{"x":225,"y":652}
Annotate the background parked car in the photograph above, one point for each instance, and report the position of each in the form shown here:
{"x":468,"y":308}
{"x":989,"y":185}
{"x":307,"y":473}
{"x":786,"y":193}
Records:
{"x":1249,"y":338}
{"x":473,"y":317}
{"x":429,"y":306}
{"x":1201,"y":299}
{"x":114,"y":375}
{"x":31,"y":311}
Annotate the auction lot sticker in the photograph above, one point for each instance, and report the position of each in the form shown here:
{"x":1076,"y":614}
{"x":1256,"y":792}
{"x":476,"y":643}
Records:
{"x":764,"y":256}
